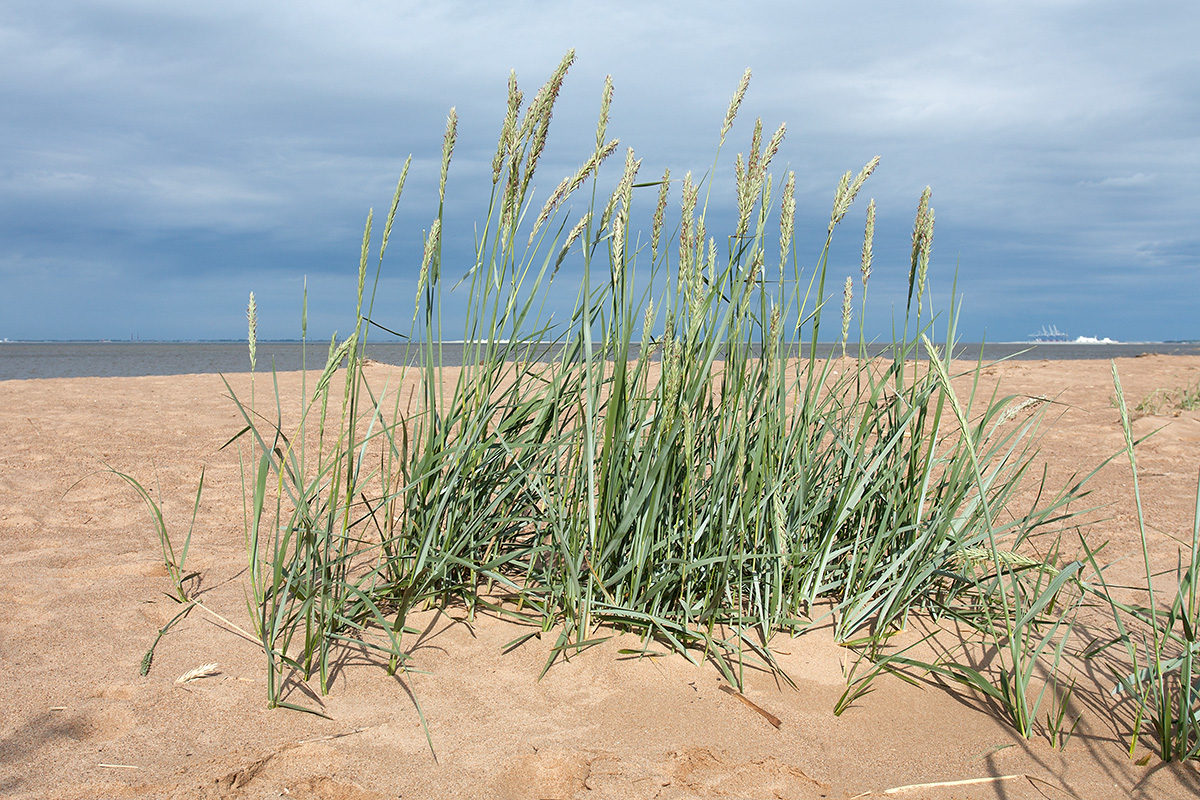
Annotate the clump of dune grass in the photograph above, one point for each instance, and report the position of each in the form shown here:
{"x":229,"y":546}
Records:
{"x":671,"y":458}
{"x":1161,"y":401}
{"x":1160,"y":638}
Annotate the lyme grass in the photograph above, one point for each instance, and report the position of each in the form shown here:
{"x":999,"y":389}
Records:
{"x":1182,"y":398}
{"x":174,"y":559}
{"x":707,"y":484}
{"x":1161,"y":640}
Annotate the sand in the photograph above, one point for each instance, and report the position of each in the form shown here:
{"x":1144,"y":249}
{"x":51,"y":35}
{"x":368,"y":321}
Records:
{"x":82,"y":591}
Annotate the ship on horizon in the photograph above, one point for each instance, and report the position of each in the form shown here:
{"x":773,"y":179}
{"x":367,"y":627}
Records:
{"x":1049,"y":333}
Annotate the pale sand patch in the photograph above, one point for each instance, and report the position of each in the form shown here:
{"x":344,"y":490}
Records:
{"x":82,"y":591}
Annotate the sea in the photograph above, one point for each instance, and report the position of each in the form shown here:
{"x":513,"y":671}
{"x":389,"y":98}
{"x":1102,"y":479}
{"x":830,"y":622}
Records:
{"x":26,"y":360}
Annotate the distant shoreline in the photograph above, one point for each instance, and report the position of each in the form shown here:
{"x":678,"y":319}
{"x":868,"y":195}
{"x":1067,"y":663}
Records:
{"x":325,"y":343}
{"x":37,"y":360}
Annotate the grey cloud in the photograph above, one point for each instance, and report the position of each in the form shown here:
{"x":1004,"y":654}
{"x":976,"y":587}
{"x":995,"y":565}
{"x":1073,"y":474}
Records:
{"x":1054,"y":134}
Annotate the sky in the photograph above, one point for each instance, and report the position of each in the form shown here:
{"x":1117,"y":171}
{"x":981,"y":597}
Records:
{"x":160,"y":161}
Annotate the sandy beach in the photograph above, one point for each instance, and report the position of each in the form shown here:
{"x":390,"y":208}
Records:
{"x":82,"y":588}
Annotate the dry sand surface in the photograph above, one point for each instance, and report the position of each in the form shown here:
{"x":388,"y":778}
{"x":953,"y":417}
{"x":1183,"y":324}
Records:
{"x":82,"y":595}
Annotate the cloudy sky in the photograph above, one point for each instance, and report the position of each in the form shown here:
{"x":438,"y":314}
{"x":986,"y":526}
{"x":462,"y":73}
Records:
{"x":160,"y":160}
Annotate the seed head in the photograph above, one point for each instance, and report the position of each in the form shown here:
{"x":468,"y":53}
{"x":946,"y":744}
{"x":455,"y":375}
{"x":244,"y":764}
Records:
{"x":648,"y":329}
{"x":787,"y":218}
{"x":755,"y":145}
{"x":735,"y":103}
{"x":632,"y":166}
{"x":447,"y":151}
{"x":847,"y":190}
{"x":552,"y":203}
{"x":862,"y":176}
{"x":868,"y":255}
{"x":659,"y":211}
{"x":687,"y":246}
{"x":839,"y":201}
{"x":539,"y":114}
{"x":921,"y":230}
{"x":605,"y":101}
{"x":745,"y":196}
{"x":847,"y":310}
{"x":618,"y":249}
{"x":571,"y":237}
{"x":508,"y":131}
{"x":568,"y":185}
{"x":772,"y":148}
{"x":926,"y":247}
{"x":252,"y":319}
{"x":431,"y":244}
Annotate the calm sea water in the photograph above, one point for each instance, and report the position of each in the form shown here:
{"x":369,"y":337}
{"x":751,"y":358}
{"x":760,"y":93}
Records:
{"x":22,"y":360}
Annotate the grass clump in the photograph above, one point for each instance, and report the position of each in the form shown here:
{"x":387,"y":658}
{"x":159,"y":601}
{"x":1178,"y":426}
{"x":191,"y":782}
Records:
{"x":671,"y":458}
{"x":1160,"y":638}
{"x":1160,"y":401}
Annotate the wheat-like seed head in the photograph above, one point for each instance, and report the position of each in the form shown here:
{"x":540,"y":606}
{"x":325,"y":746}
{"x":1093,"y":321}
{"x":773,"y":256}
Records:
{"x":752,"y":279}
{"x":552,"y":203}
{"x":648,"y":329}
{"x":252,"y":319}
{"x":919,"y":223}
{"x":623,"y":192}
{"x":918,"y":237}
{"x":862,"y":176}
{"x":847,"y":311}
{"x":659,"y":211}
{"x":687,"y":245}
{"x":618,"y":249}
{"x":926,"y":247}
{"x":839,"y":201}
{"x":543,"y":104}
{"x":618,"y":194}
{"x":772,"y":148}
{"x":609,"y":208}
{"x":694,"y":285}
{"x":606,"y":97}
{"x":387,"y":228}
{"x":447,"y":151}
{"x":868,"y":253}
{"x":632,"y":166}
{"x":787,"y":218}
{"x":673,"y":370}
{"x":431,"y":243}
{"x":203,"y":671}
{"x":364,"y":253}
{"x":744,"y":196}
{"x":766,"y":185}
{"x":735,"y":103}
{"x":755,"y":147}
{"x":509,"y":129}
{"x":973,"y":556}
{"x":571,"y":237}
{"x":509,"y":200}
{"x":568,"y":185}
{"x":593,"y":163}
{"x":847,"y":190}
{"x":1013,"y":411}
